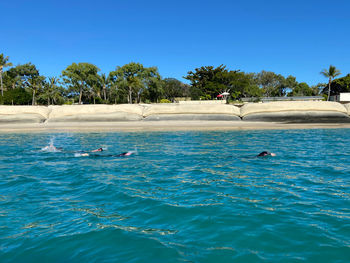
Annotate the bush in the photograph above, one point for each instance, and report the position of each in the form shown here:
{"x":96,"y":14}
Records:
{"x":68,"y":102}
{"x":17,"y":96}
{"x":205,"y":97}
{"x":165,"y":101}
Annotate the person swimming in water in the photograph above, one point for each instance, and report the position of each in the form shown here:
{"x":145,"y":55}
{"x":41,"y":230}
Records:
{"x":126,"y":154}
{"x":265,"y":153}
{"x":109,"y":155}
{"x":87,"y":154}
{"x":97,"y":150}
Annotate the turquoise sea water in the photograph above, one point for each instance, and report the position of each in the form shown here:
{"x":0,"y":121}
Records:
{"x":184,"y":197}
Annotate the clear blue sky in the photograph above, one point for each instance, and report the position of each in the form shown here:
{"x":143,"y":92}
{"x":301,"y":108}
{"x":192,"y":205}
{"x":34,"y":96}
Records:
{"x":297,"y":38}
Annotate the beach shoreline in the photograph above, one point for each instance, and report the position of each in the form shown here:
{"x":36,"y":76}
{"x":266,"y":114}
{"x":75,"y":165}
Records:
{"x":149,"y":126}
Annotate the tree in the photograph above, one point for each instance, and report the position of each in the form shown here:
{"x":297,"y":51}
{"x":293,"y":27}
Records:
{"x":331,"y":73}
{"x":3,"y":64}
{"x":243,"y":85}
{"x":290,"y":83}
{"x":104,"y":82}
{"x":36,"y":84}
{"x":154,"y":91}
{"x":17,"y":96}
{"x":340,"y":85}
{"x":173,"y":88}
{"x":271,"y":83}
{"x":80,"y":77}
{"x":302,"y":89}
{"x":26,"y":76}
{"x":208,"y":81}
{"x":52,"y":92}
{"x":20,"y":74}
{"x":134,"y":78}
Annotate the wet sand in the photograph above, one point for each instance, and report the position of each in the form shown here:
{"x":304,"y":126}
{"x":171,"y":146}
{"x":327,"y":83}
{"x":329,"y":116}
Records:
{"x":139,"y":126}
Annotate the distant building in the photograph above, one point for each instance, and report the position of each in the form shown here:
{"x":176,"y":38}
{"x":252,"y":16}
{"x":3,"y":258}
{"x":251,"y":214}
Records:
{"x":342,"y":97}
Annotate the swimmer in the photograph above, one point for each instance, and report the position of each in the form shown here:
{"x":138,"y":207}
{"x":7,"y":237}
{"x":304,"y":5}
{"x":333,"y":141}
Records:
{"x":264,"y":153}
{"x":51,"y":148}
{"x":97,"y":150}
{"x":101,"y":155}
{"x":126,"y":154}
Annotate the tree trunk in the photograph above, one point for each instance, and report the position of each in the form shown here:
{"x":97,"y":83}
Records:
{"x":329,"y":88}
{"x":130,"y":96}
{"x":138,"y":98}
{"x":33,"y":99}
{"x":80,"y":94}
{"x":2,"y":89}
{"x":48,"y":100}
{"x":104,"y":92}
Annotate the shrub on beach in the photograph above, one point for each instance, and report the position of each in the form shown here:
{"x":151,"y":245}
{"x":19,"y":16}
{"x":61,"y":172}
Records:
{"x":17,"y":96}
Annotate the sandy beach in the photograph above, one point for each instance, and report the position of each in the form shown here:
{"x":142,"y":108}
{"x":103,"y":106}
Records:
{"x":139,"y":126}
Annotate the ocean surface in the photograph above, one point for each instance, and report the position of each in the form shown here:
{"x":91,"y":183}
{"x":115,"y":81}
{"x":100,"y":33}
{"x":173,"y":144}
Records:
{"x":181,"y":197}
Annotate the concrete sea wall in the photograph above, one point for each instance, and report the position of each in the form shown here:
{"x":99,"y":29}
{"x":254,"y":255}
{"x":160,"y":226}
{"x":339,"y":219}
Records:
{"x":296,"y":111}
{"x":287,"y":112}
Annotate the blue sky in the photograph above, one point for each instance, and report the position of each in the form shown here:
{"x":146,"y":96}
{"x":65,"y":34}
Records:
{"x":298,"y":38}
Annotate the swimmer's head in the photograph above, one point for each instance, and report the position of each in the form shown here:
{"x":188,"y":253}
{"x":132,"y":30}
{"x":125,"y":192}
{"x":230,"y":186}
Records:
{"x":265,"y":153}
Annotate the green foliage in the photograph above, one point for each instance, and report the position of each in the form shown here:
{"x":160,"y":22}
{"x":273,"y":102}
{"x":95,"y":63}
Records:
{"x":173,"y":88}
{"x":340,"y":85}
{"x":68,"y":102}
{"x":23,"y":76}
{"x":303,"y":89}
{"x":80,"y":79}
{"x":134,"y":83}
{"x":22,"y":73}
{"x":205,"y":97}
{"x":213,"y":81}
{"x":208,"y":81}
{"x":17,"y":96}
{"x":3,"y":64}
{"x":331,"y":73}
{"x":236,"y":94}
{"x":272,"y":84}
{"x":105,"y":83}
{"x":154,"y":92}
{"x":4,"y":61}
{"x":52,"y":92}
{"x":134,"y":79}
{"x":243,"y":85}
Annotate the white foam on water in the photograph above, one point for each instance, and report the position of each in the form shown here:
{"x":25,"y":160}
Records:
{"x":51,"y":147}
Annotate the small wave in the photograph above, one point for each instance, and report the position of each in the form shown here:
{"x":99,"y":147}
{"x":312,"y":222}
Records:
{"x":50,"y":148}
{"x":81,"y":154}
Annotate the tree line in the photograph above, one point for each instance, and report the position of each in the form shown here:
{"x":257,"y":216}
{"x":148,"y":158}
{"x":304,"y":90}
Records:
{"x":135,"y":83}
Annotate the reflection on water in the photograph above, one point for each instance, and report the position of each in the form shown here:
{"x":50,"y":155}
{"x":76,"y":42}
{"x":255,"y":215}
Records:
{"x":186,"y":196}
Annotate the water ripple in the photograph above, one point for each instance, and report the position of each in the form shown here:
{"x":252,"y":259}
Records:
{"x":185,"y":197}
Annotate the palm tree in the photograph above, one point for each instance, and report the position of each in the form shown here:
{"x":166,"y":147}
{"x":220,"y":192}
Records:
{"x":105,"y":82}
{"x":35,"y":84}
{"x":3,"y":64}
{"x":331,"y":73}
{"x":51,"y":88}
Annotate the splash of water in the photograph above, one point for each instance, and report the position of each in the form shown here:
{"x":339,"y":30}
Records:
{"x":51,"y":147}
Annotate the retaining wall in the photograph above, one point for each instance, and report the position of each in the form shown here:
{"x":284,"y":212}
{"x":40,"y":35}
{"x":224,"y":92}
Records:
{"x":293,"y":111}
